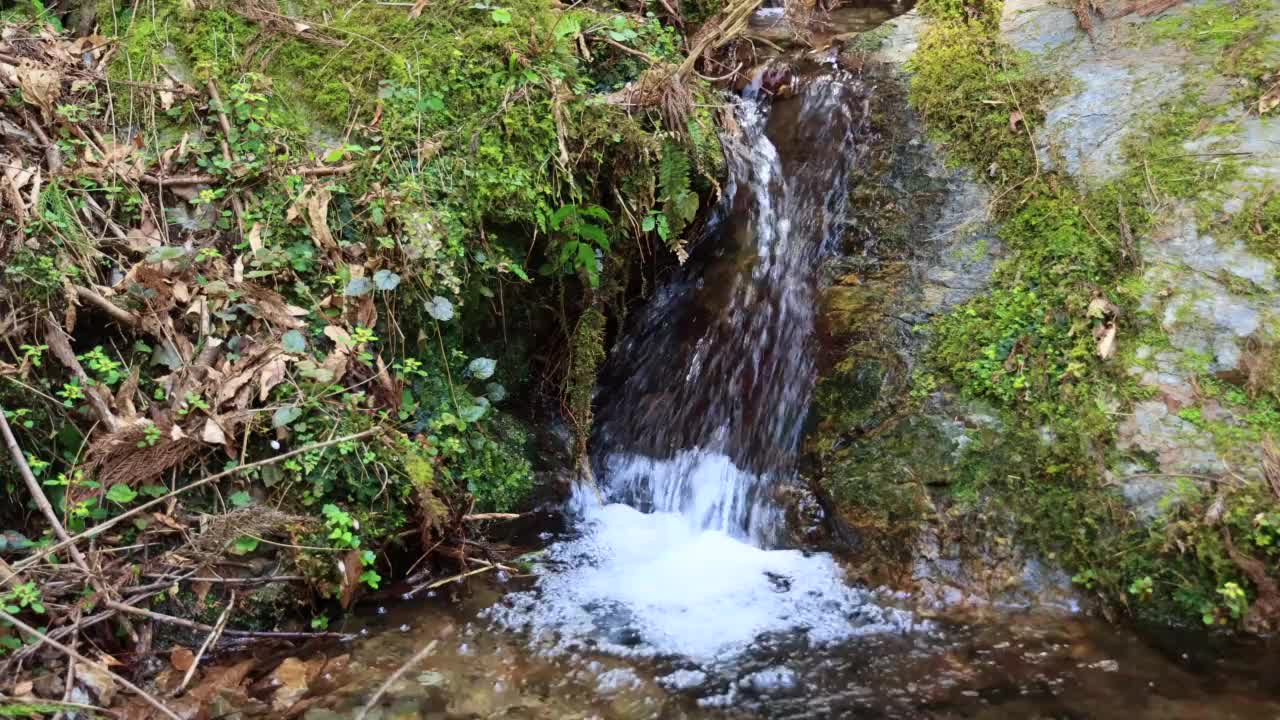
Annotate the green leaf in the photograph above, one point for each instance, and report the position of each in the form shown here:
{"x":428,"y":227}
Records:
{"x":240,"y":499}
{"x":154,"y":491}
{"x":567,"y":26}
{"x":335,"y":155}
{"x":285,"y":415}
{"x":161,"y":254}
{"x":648,"y":223}
{"x":501,"y":16}
{"x":244,"y":545}
{"x":293,"y":342}
{"x":386,"y":280}
{"x":440,"y":309}
{"x":122,"y":494}
{"x":358,"y":287}
{"x":482,"y":368}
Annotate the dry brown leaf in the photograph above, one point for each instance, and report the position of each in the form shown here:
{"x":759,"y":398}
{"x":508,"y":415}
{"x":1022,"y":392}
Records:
{"x":181,"y":658}
{"x":417,"y":9}
{"x":351,"y":568}
{"x":40,"y":87}
{"x":1106,"y":341}
{"x":255,"y":238}
{"x":318,"y":218}
{"x":168,"y":521}
{"x":226,"y":676}
{"x":213,"y":433}
{"x":1269,"y":100}
{"x":271,"y":375}
{"x":201,"y":590}
{"x":1015,"y":117}
{"x":339,"y":336}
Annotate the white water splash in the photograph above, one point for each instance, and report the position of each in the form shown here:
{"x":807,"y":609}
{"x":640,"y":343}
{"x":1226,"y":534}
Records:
{"x":649,"y":584}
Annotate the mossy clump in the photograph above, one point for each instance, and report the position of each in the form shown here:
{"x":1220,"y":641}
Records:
{"x":979,"y":98}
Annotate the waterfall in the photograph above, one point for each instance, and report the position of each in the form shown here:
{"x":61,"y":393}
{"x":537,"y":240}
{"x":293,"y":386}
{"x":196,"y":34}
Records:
{"x":715,"y":376}
{"x":703,"y":403}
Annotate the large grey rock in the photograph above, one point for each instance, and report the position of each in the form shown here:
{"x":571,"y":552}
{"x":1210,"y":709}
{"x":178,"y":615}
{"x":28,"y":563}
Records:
{"x":1038,"y":26}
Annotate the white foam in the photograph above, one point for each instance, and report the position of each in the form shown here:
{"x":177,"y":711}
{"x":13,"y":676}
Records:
{"x":650,"y":584}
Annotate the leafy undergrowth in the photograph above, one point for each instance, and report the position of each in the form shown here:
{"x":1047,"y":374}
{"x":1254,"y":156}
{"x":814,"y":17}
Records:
{"x":1049,"y":344}
{"x":332,"y":259}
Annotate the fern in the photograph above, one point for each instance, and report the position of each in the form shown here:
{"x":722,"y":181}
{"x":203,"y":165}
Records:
{"x":679,"y":202}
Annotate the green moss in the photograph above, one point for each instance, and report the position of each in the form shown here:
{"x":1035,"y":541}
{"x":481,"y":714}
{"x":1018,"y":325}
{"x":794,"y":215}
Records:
{"x":587,"y":351}
{"x":1238,"y":36}
{"x":1030,"y":344}
{"x":972,"y":89}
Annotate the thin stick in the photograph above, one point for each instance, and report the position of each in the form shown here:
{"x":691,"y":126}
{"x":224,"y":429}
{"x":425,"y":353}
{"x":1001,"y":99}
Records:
{"x":393,"y":677}
{"x":150,"y":700}
{"x":491,"y":516}
{"x":226,"y":151}
{"x":192,"y":624}
{"x":46,"y":508}
{"x":121,"y":315}
{"x":99,"y":529}
{"x":451,"y":578}
{"x":210,"y":639}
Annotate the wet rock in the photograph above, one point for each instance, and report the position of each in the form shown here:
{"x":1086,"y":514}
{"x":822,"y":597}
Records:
{"x":1038,"y":26}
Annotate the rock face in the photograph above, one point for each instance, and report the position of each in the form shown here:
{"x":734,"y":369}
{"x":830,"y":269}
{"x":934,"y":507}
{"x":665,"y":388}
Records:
{"x":1209,"y":299}
{"x":1213,"y":299}
{"x":920,"y":244}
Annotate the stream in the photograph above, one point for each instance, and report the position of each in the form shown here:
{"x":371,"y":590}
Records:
{"x":673,"y":594}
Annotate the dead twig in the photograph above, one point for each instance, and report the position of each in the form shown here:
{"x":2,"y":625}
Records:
{"x":209,"y":640}
{"x":51,"y":517}
{"x":226,"y":150}
{"x":393,"y":677}
{"x":193,"y":625}
{"x":491,"y":516}
{"x":45,"y":639}
{"x":117,"y":313}
{"x":103,"y":527}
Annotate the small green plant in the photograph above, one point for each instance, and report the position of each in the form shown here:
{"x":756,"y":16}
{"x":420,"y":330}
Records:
{"x":583,"y":241}
{"x":1142,"y":588}
{"x":22,"y":597}
{"x":150,"y":435}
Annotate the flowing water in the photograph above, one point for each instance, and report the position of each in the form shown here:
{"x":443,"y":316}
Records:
{"x":674,"y":594}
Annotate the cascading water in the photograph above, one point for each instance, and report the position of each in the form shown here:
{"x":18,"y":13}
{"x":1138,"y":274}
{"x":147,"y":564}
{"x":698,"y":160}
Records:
{"x":703,"y":418}
{"x":717,"y":374}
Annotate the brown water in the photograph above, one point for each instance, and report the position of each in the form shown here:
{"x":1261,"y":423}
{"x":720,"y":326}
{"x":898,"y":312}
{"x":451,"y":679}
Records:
{"x":1011,"y":666}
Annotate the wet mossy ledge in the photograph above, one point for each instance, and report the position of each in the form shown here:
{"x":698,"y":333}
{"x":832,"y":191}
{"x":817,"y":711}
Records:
{"x":392,"y":240}
{"x":1017,"y":415}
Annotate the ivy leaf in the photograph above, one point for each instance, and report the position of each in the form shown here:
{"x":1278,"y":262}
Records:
{"x":358,"y":287}
{"x":240,"y":499}
{"x":386,"y":280}
{"x":440,"y":309}
{"x":120,"y":493}
{"x":472,"y":413}
{"x":161,"y":254}
{"x":501,"y":16}
{"x":244,"y":545}
{"x":293,"y":342}
{"x":482,"y":368}
{"x":285,"y":415}
{"x":496,"y":392}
